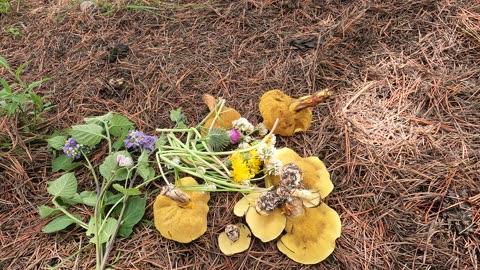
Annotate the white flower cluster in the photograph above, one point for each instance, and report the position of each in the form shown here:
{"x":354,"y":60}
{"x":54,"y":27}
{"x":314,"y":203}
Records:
{"x":124,"y":161}
{"x":243,"y":125}
{"x":262,"y":129}
{"x":273,"y":166}
{"x":265,"y":151}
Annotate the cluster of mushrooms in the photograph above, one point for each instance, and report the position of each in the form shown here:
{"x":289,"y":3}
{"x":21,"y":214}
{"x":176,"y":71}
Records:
{"x":293,"y":204}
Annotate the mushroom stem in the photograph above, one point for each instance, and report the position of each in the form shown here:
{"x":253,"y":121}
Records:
{"x":310,"y":100}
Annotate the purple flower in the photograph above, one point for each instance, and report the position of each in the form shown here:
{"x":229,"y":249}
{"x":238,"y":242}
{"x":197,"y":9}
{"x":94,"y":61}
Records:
{"x":72,"y":148}
{"x":138,"y":140}
{"x":234,"y":135}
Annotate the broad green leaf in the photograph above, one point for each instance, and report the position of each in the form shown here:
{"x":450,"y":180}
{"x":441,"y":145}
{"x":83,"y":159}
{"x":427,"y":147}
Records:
{"x":63,"y":162}
{"x":46,"y":211}
{"x":59,"y":223}
{"x":37,"y":101}
{"x":110,"y":170}
{"x":89,"y":134}
{"x":118,"y":144}
{"x":127,"y":191}
{"x":111,"y":199}
{"x":143,"y":158}
{"x":20,"y":98}
{"x":146,"y":172}
{"x":65,"y":186}
{"x":120,"y":125}
{"x":177,"y":116}
{"x":89,"y":198}
{"x":99,"y":120}
{"x":57,"y":141}
{"x":106,"y":231}
{"x":133,"y":214}
{"x":74,"y":200}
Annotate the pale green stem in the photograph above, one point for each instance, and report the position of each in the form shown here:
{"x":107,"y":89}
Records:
{"x":77,"y":221}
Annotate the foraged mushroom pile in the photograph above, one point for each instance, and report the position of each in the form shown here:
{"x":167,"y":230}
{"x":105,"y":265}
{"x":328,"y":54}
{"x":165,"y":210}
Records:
{"x":284,"y":193}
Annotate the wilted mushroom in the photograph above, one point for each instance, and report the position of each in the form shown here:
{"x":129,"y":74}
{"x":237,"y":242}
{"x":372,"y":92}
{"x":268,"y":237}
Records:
{"x":235,"y":239}
{"x":294,"y":115}
{"x":315,"y":176}
{"x":225,"y":117}
{"x":265,"y":227}
{"x":311,"y":237}
{"x":179,"y":215}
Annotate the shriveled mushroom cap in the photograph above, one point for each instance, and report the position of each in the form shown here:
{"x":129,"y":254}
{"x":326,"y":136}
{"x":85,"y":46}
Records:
{"x":264,"y":227}
{"x":275,"y":104}
{"x":311,"y":238}
{"x":229,"y":247}
{"x":182,"y":224}
{"x":315,"y":173}
{"x":225,"y":117}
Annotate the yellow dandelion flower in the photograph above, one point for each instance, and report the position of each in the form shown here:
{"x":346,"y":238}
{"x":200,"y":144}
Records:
{"x":245,"y":165}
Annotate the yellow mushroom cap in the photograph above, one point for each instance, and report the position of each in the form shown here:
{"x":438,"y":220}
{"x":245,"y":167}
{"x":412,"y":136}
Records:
{"x":182,"y":224}
{"x":275,"y":104}
{"x":225,"y":118}
{"x":229,"y":247}
{"x":314,"y":172}
{"x":264,"y":227}
{"x":311,"y":238}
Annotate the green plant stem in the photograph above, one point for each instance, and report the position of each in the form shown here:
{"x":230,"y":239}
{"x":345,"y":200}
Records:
{"x":92,"y":171}
{"x":61,"y":208}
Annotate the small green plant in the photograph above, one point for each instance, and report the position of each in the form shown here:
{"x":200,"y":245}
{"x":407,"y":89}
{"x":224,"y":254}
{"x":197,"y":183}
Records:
{"x":116,"y":203}
{"x":11,"y":30}
{"x":4,"y":6}
{"x":19,"y":98}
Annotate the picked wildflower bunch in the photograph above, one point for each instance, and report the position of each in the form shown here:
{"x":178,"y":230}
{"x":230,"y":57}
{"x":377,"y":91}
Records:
{"x":225,"y":156}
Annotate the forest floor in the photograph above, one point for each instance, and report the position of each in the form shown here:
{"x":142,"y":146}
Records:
{"x":400,"y":135}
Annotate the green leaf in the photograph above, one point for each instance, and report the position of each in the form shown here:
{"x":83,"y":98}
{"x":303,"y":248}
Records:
{"x":120,"y":125}
{"x":65,"y":186}
{"x":106,"y":231}
{"x":99,"y":120}
{"x":146,"y":172}
{"x":59,"y":223}
{"x":35,"y":84}
{"x":63,"y":162}
{"x":111,"y":199}
{"x":46,"y":211}
{"x":20,"y":69}
{"x":89,"y":198}
{"x":4,"y":63}
{"x":89,"y":134}
{"x":177,"y":116}
{"x":57,"y":141}
{"x":110,"y":170}
{"x":127,"y":191}
{"x":6,"y":86}
{"x":37,"y":101}
{"x":119,"y":143}
{"x":74,"y":200}
{"x":133,"y":214}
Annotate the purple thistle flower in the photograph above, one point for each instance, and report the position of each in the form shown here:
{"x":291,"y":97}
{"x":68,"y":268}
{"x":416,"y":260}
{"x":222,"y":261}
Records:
{"x":234,"y":135}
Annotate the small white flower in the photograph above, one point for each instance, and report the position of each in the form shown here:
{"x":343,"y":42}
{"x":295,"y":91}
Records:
{"x":210,"y":187}
{"x":201,"y":170}
{"x":272,"y":140}
{"x":243,"y":125}
{"x":175,"y":160}
{"x":262,"y":129}
{"x":273,"y":166}
{"x":124,"y":161}
{"x":243,"y":145}
{"x":247,"y":139}
{"x":265,"y":151}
